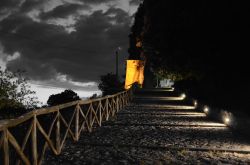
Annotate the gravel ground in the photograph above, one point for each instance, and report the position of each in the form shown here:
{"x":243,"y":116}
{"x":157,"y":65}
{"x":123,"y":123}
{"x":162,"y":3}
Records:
{"x":156,"y":134}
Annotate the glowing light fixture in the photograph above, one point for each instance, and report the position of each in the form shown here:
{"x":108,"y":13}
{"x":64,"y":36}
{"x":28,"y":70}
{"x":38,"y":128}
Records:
{"x":183,"y":95}
{"x":227,"y":120}
{"x":172,"y":89}
{"x":206,"y":109}
{"x":195,"y":103}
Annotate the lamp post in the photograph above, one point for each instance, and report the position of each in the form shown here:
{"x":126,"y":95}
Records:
{"x":116,"y":62}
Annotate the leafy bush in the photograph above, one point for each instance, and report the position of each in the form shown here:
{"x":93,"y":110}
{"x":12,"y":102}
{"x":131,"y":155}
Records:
{"x":15,"y":94}
{"x":110,"y":84}
{"x":66,"y":96}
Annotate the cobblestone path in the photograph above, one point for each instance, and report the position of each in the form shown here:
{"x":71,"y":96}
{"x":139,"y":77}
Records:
{"x":158,"y":127}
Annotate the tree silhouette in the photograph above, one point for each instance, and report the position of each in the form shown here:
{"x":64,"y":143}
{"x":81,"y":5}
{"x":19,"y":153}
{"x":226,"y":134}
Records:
{"x":66,"y":96}
{"x":110,"y":84}
{"x":136,"y":29}
{"x":16,"y":97}
{"x":200,"y":44}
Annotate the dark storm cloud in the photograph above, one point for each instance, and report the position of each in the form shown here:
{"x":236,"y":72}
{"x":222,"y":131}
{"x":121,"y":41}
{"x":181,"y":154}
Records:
{"x":135,"y":2}
{"x":13,"y":22}
{"x":63,"y":11}
{"x":83,"y":55}
{"x":6,"y":6}
{"x":36,"y":43}
{"x":97,"y":38}
{"x":119,"y":15}
{"x":29,"y":5}
{"x":22,"y":6}
{"x":96,"y":1}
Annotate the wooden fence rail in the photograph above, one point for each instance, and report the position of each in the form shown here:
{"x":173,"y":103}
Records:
{"x":24,"y":140}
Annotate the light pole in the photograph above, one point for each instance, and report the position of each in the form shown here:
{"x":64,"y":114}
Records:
{"x":116,"y":62}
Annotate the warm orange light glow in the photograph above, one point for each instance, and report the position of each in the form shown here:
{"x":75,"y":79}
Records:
{"x":134,"y":72}
{"x":139,"y":44}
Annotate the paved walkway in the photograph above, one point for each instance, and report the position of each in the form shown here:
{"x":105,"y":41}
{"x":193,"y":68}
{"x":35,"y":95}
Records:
{"x":156,"y":129}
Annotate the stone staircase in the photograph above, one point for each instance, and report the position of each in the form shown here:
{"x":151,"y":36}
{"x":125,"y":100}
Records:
{"x":160,"y":126}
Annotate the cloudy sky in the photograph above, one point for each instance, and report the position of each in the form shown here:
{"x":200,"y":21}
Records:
{"x":64,"y":43}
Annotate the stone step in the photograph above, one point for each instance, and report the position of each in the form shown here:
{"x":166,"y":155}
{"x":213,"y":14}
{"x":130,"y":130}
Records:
{"x":156,"y":92}
{"x":163,"y":101}
{"x":157,"y":125}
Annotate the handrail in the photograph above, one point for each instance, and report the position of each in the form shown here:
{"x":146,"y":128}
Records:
{"x":41,"y":111}
{"x":82,"y":119}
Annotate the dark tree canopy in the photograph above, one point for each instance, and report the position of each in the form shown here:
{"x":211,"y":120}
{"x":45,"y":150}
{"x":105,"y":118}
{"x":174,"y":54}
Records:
{"x":200,"y":44}
{"x":135,"y":35}
{"x":110,"y":84}
{"x":64,"y":97}
{"x":16,"y":97}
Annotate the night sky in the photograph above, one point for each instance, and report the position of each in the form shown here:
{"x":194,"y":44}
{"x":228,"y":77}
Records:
{"x":64,"y":43}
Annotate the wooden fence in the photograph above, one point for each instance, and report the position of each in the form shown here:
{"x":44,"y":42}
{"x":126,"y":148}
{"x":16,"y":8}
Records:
{"x":25,"y":140}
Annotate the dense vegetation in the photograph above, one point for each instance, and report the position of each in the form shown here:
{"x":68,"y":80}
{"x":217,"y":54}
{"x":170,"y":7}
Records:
{"x":66,"y":96}
{"x":199,"y":44}
{"x":110,"y":84}
{"x":16,"y":97}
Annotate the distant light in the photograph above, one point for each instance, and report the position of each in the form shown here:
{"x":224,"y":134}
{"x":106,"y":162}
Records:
{"x":183,"y":95}
{"x":227,"y":120}
{"x":206,"y":109}
{"x":195,"y":103}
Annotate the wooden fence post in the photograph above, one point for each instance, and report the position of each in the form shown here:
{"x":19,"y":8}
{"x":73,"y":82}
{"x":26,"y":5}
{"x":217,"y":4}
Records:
{"x":34,"y":141}
{"x":77,"y":123}
{"x":58,"y":135}
{"x":123,"y":100}
{"x":89,"y":116}
{"x":117,"y":103}
{"x":107,"y":108}
{"x":6,"y":147}
{"x":113,"y":104}
{"x":100,"y":112}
